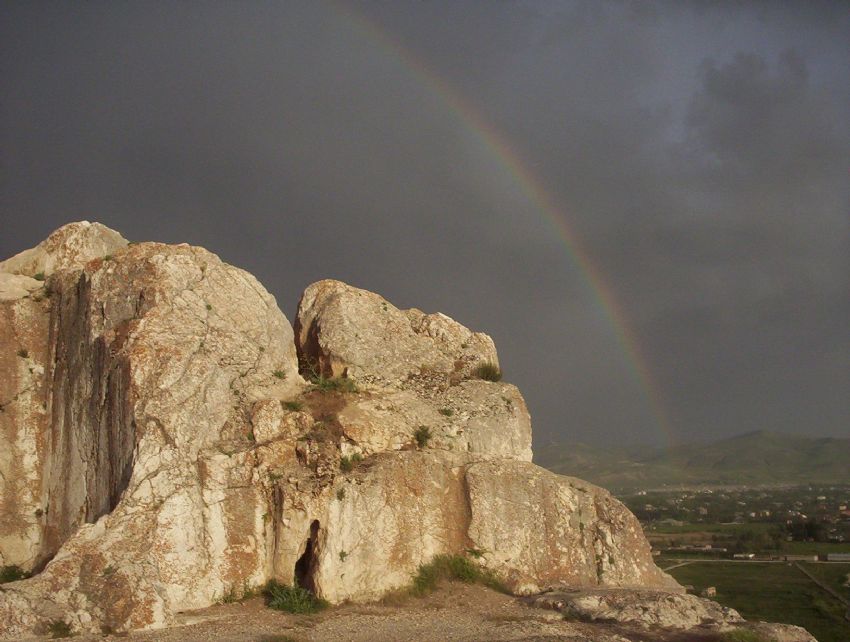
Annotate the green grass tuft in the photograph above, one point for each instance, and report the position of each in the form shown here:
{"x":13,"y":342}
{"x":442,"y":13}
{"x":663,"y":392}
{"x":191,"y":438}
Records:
{"x":453,"y":568}
{"x":333,"y":384}
{"x":489,"y":372}
{"x":294,"y":406}
{"x":279,"y":374}
{"x":39,"y":276}
{"x":292,"y":599}
{"x":447,"y":412}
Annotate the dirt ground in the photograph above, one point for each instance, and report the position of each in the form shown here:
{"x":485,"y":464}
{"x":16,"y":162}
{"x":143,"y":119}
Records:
{"x":455,"y":612}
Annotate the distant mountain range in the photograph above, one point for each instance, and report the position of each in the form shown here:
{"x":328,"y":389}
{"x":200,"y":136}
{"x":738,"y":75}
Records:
{"x":756,"y":458}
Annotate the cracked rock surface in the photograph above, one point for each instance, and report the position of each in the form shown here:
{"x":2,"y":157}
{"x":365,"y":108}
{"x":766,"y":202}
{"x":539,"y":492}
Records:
{"x":169,"y":441}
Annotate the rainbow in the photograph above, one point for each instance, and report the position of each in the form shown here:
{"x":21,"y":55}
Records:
{"x":497,"y":145}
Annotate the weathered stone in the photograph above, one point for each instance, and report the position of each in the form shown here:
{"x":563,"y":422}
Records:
{"x":24,"y":428}
{"x":650,"y":609}
{"x":539,"y":529}
{"x":17,"y":286}
{"x":489,"y":419}
{"x":367,"y":532}
{"x":70,"y":246}
{"x":344,"y":331}
{"x":780,"y":632}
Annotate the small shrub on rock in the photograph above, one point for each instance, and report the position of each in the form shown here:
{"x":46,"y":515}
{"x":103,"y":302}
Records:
{"x":488,"y":372}
{"x":12,"y":574}
{"x":422,"y":436}
{"x":292,"y":599}
{"x":347,"y":464}
{"x":294,"y":406}
{"x":39,"y":276}
{"x":59,"y":629}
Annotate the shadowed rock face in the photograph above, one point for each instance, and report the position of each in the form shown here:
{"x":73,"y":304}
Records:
{"x":161,"y":449}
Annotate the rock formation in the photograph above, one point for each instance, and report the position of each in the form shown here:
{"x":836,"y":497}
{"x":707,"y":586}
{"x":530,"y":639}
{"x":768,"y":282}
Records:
{"x":168,"y":440}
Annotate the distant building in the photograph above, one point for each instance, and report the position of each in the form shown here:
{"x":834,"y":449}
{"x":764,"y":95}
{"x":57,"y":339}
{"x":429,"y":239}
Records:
{"x":838,"y":557}
{"x":744,"y":556}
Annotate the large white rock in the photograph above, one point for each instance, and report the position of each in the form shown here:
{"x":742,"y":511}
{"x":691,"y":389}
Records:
{"x":162,"y":450}
{"x":70,"y":246}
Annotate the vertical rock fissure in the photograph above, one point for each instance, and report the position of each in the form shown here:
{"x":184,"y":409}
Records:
{"x":305,"y":567}
{"x":93,"y":431}
{"x":310,"y":359}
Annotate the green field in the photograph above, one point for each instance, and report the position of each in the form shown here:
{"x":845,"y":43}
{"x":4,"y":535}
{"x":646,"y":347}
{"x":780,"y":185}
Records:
{"x":822,"y":548}
{"x":836,"y":576}
{"x":719,"y":529}
{"x":775,"y":593}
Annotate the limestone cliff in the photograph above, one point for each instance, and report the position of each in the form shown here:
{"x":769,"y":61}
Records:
{"x":167,"y":440}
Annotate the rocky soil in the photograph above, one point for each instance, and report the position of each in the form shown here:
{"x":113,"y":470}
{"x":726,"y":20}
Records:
{"x":456,"y":611}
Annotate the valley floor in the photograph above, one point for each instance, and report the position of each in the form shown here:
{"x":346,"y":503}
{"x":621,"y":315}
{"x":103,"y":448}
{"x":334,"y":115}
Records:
{"x":815,"y":596}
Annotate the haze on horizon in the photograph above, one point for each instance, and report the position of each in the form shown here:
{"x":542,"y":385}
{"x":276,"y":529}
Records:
{"x":699,"y":152}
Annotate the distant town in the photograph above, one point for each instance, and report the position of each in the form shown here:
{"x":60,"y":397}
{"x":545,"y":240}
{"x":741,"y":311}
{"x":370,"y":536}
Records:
{"x":766,"y":522}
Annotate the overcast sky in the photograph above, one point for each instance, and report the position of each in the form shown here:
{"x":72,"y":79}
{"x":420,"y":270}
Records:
{"x":699,"y":152}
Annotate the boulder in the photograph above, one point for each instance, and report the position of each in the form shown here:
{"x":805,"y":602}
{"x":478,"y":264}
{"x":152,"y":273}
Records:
{"x":539,"y":529}
{"x":650,"y":609}
{"x":422,"y":367}
{"x":345,"y":331}
{"x":780,"y":632}
{"x":70,"y":246}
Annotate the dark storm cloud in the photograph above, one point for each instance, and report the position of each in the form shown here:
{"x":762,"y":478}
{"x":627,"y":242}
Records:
{"x":698,"y":150}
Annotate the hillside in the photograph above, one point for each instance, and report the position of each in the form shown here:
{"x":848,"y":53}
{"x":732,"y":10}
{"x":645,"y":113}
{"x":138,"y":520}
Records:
{"x":756,"y":458}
